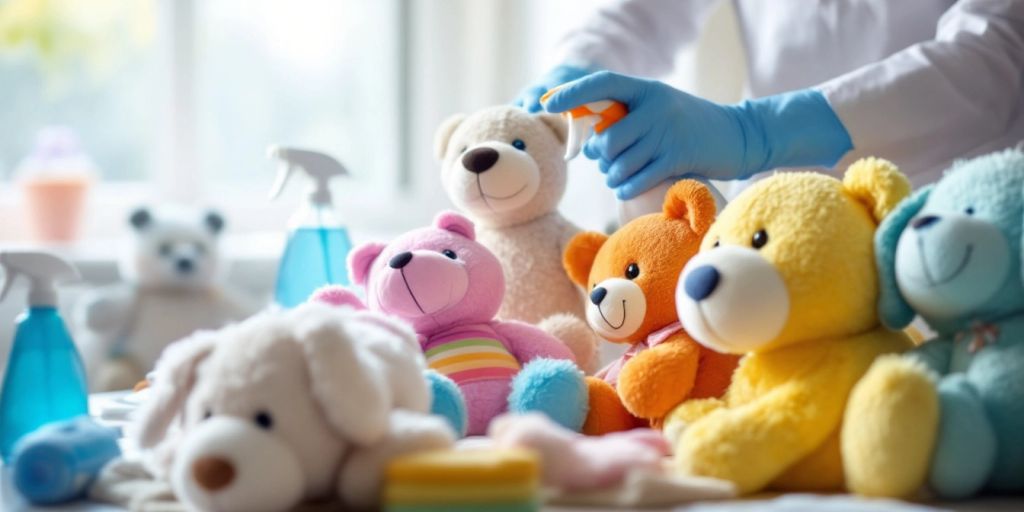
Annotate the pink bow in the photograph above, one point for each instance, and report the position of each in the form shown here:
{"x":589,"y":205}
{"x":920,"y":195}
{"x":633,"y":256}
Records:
{"x":980,"y":334}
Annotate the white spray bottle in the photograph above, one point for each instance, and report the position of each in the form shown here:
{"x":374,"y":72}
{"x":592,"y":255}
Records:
{"x":318,"y":244}
{"x":595,"y":117}
{"x":45,"y":379}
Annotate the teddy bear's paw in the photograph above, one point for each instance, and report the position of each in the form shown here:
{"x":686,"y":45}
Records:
{"x":965,"y":451}
{"x":363,"y":473}
{"x":576,"y":335}
{"x":889,"y":428}
{"x":448,"y":402}
{"x":554,"y":387}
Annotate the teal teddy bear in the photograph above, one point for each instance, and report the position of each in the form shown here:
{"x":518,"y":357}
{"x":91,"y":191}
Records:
{"x":952,"y":253}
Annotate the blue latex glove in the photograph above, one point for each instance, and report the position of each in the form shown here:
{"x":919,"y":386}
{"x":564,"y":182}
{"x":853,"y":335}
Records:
{"x":529,"y":98}
{"x":671,"y":134}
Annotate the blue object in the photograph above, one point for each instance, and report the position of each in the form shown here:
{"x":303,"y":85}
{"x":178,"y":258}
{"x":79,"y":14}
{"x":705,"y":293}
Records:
{"x":318,"y":244}
{"x":671,"y":134}
{"x":313,"y":257}
{"x":45,"y":379}
{"x":529,"y":98}
{"x":448,"y":402}
{"x":953,"y":254}
{"x":58,"y":462}
{"x":555,"y":387}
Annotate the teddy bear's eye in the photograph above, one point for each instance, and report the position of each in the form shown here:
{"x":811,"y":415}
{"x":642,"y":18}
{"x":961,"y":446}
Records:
{"x":207,"y":414}
{"x":519,"y":144}
{"x":717,"y":243}
{"x":759,"y":239}
{"x":632,"y":271}
{"x":449,"y":253}
{"x":165,"y":249}
{"x":969,"y":210}
{"x":264,"y":420}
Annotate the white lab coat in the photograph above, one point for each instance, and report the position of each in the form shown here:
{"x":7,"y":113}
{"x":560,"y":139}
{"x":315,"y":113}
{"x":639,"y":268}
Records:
{"x":919,"y":82}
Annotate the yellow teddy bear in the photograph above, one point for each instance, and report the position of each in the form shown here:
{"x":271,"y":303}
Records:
{"x":786,"y":275}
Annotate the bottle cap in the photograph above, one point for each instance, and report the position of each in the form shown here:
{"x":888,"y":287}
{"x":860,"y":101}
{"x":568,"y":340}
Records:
{"x":320,"y":167}
{"x":42,"y":269}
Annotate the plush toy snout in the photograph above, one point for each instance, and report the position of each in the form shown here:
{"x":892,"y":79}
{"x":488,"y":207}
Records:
{"x":421,"y":282}
{"x":498,"y":177}
{"x":717,"y":304}
{"x":948,"y":263}
{"x":229,"y":464}
{"x":616,"y":308}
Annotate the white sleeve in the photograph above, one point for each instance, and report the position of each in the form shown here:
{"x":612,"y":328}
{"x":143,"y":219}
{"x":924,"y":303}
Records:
{"x":942,"y":96}
{"x":636,"y":37}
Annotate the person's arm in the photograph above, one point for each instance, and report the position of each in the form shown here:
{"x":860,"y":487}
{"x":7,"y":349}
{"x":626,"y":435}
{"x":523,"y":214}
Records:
{"x":639,"y":37}
{"x":635,"y":37}
{"x":944,"y":96}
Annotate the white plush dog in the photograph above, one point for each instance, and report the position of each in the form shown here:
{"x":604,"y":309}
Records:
{"x":286,"y":407}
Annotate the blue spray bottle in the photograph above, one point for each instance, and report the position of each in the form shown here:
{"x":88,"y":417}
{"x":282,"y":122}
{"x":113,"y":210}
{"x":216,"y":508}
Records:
{"x":318,"y":244}
{"x":45,"y":379}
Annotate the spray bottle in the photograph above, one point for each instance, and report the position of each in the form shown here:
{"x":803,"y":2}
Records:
{"x":318,"y":244}
{"x":45,"y":379}
{"x":595,"y":117}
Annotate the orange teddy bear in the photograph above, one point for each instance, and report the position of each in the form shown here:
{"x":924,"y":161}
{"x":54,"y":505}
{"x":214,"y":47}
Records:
{"x":631,"y":277}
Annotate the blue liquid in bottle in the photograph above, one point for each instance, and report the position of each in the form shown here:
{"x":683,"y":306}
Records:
{"x":45,"y":379}
{"x":313,"y":257}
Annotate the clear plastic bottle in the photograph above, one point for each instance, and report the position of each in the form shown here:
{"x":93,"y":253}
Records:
{"x":45,"y":379}
{"x":318,"y":244}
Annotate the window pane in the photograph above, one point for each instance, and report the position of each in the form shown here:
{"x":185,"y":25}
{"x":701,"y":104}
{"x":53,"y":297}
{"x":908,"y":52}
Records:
{"x":86,"y":65}
{"x":321,"y":74}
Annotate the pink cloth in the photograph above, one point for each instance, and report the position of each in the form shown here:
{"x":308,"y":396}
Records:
{"x":573,"y":461}
{"x":610,"y":373}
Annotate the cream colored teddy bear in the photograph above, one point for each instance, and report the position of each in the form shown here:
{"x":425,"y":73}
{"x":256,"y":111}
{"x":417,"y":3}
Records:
{"x":289,"y":406}
{"x":504,"y":168}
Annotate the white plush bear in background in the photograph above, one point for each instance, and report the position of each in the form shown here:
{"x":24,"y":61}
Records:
{"x":170,"y":290}
{"x":286,"y":407}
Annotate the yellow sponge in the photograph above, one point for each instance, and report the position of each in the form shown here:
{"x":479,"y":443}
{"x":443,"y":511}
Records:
{"x":463,"y":481}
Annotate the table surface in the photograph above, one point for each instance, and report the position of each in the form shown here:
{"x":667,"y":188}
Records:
{"x":11,"y":501}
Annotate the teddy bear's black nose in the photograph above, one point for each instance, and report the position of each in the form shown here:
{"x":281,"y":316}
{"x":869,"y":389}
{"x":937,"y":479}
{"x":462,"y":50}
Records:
{"x":400,"y":260}
{"x":184,"y":265}
{"x":701,"y":282}
{"x":598,"y":295}
{"x":480,"y":159}
{"x":923,"y":222}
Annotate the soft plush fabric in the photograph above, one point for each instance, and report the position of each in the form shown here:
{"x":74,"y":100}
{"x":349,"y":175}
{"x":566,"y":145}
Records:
{"x":286,"y":407}
{"x":576,"y":462}
{"x":952,"y":254}
{"x":801,"y":244}
{"x":449,"y":287}
{"x":504,"y":169}
{"x":631,"y":278}
{"x":171,"y":268}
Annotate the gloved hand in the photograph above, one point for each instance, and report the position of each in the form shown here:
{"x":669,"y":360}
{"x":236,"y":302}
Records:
{"x":671,"y":134}
{"x":529,"y":98}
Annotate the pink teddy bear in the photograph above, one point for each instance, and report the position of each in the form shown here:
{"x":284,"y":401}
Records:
{"x":449,"y":287}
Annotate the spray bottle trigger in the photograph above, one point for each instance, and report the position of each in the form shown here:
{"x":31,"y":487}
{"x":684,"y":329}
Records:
{"x":9,"y":276}
{"x":284,"y":171}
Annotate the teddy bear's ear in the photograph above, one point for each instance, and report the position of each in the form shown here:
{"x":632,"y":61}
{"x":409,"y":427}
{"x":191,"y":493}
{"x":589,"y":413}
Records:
{"x":557,"y":124}
{"x":361,"y":259}
{"x":456,"y":223}
{"x":140,"y":218}
{"x":690,"y":201}
{"x":346,"y":382}
{"x":214,"y":221}
{"x":893,"y":309}
{"x":175,"y":377}
{"x":443,"y":135}
{"x":877,"y":184}
{"x":580,"y":253}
